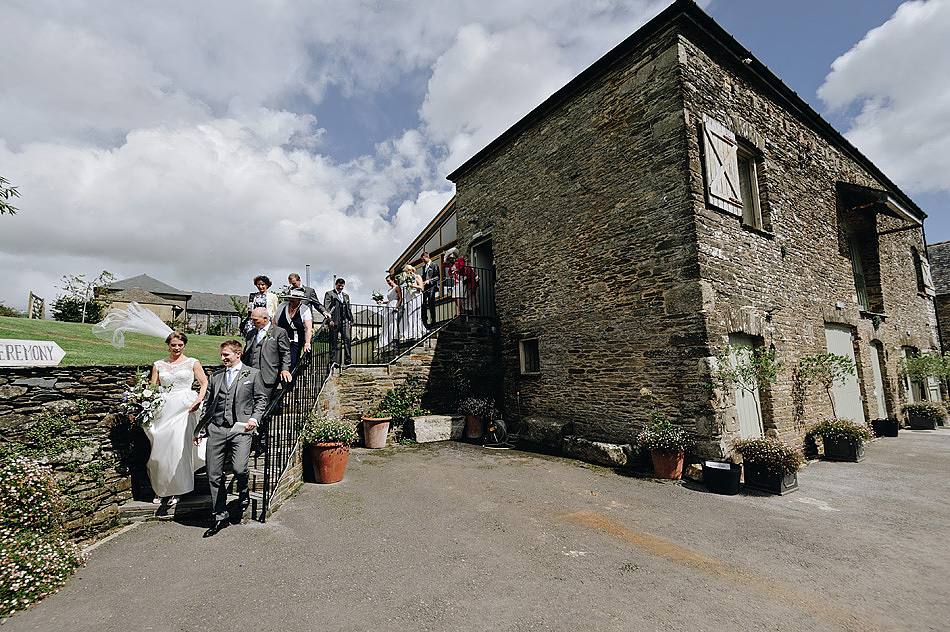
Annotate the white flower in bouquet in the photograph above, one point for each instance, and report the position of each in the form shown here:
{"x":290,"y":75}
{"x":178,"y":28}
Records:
{"x":142,"y":401}
{"x":377,"y":295}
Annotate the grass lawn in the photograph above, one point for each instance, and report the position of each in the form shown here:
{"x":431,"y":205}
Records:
{"x":83,"y":348}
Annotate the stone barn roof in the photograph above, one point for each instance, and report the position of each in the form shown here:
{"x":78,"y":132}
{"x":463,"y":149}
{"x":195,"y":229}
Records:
{"x":939,"y":256}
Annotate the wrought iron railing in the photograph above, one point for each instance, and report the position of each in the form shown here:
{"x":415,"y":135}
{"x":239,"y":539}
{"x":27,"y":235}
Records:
{"x":285,"y":418}
{"x":381,"y":333}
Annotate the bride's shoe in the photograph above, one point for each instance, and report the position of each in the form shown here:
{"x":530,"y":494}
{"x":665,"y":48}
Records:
{"x":173,"y":501}
{"x":157,"y":500}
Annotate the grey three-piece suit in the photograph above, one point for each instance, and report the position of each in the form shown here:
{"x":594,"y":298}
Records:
{"x":271,"y":356}
{"x":223,"y":408}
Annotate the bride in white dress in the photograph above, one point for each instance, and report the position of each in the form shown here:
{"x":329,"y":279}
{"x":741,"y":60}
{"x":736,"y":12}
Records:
{"x":173,"y":461}
{"x":389,"y":332}
{"x":412,"y":293}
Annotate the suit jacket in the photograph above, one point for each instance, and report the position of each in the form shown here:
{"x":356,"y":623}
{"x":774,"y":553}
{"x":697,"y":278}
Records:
{"x":315,"y":305}
{"x":430,"y":278}
{"x":247,"y":397}
{"x":270,"y":357}
{"x":339,"y":311}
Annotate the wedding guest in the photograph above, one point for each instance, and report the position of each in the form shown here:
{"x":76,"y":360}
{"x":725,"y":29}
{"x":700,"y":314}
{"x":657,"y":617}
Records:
{"x":412,"y":296}
{"x":430,"y":284}
{"x":337,"y":303}
{"x":263,"y":297}
{"x":294,"y":317}
{"x":389,"y":332}
{"x":463,"y":279}
{"x":267,"y":348}
{"x":311,"y":301}
{"x":173,"y":460}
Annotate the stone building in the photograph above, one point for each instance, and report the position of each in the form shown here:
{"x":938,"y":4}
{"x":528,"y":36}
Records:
{"x":675,"y":199}
{"x":199,"y":310}
{"x":939,"y":255}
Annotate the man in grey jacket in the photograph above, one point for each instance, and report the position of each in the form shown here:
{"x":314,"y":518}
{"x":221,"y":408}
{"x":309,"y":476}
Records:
{"x":267,"y":348}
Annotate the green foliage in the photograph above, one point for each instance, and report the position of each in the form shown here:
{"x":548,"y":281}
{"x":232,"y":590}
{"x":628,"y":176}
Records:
{"x":328,"y":430}
{"x":9,"y":311}
{"x":748,"y":368}
{"x":35,"y":560}
{"x":83,"y":301}
{"x":403,"y":401}
{"x":221,"y":327}
{"x":6,"y":193}
{"x":770,"y":454}
{"x":54,"y":434}
{"x":926,"y":365}
{"x":826,"y":370}
{"x":925,"y":411}
{"x":841,"y":429}
{"x":181,"y":324}
{"x":483,"y":407}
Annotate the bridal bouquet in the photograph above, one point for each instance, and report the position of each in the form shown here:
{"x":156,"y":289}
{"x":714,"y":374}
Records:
{"x":142,"y":401}
{"x":377,"y":296}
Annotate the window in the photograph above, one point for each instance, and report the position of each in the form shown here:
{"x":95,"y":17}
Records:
{"x":449,"y":230}
{"x":732,"y":173}
{"x":925,"y":284}
{"x":857,"y":267}
{"x":530,"y":358}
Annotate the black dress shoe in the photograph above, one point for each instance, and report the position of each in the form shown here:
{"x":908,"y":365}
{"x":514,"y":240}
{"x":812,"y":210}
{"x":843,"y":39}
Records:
{"x":217,"y":526}
{"x":245,"y":503}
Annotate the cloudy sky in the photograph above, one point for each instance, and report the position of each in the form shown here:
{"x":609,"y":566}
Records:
{"x":205,"y":142}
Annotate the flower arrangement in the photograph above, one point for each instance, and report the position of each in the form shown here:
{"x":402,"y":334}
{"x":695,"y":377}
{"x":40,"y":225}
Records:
{"x":929,"y":412}
{"x":34,"y":560}
{"x":770,"y":454}
{"x":841,"y":429}
{"x":377,"y":296}
{"x":329,"y":430}
{"x":483,"y":407}
{"x":142,"y":401}
{"x":663,"y":435}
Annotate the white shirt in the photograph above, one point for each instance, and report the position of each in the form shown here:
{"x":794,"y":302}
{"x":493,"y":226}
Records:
{"x":261,"y":333}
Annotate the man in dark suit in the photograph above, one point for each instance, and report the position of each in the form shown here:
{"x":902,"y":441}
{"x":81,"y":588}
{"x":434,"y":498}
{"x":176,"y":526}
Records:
{"x":337,"y":303}
{"x":430,"y":284}
{"x":267,"y":348}
{"x":234,"y":404}
{"x":312,"y":301}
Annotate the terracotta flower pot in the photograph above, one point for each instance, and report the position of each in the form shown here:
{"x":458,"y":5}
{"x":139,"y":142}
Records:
{"x":329,"y":461}
{"x":474,"y":427}
{"x":375,"y":431}
{"x":668,"y":463}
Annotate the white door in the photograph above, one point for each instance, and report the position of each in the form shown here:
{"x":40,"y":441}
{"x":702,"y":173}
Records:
{"x":878,"y":381}
{"x":847,"y":396}
{"x":748,"y":405}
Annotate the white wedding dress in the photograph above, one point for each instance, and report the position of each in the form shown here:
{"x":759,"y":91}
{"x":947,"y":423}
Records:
{"x":174,"y":458}
{"x":412,"y":320}
{"x":390,"y":328}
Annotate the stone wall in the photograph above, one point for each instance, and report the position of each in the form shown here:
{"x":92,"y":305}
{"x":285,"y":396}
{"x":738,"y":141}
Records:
{"x":595,"y":251}
{"x":28,"y":394}
{"x":785,"y":283}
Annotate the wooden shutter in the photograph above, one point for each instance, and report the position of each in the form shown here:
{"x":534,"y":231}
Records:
{"x":722,"y":167}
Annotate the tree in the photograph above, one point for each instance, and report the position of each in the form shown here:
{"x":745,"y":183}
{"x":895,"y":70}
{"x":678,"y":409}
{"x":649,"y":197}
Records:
{"x":80,"y":303}
{"x":6,"y":192}
{"x":826,"y":370}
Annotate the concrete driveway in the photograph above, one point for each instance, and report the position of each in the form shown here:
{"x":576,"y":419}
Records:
{"x":457,"y":537}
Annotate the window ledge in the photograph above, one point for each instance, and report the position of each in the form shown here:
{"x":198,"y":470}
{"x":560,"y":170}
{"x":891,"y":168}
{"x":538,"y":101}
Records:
{"x":538,"y":374}
{"x":761,"y":232}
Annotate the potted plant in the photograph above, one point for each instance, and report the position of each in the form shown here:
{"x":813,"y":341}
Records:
{"x":397,"y":406}
{"x":769,"y":465}
{"x":722,"y":477}
{"x":477,"y":411}
{"x":888,"y":427}
{"x":843,"y":438}
{"x":923,"y":415}
{"x":329,"y":439}
{"x":667,"y":445}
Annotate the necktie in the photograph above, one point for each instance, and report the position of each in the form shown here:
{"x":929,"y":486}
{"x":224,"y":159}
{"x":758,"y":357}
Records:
{"x":230,"y":377}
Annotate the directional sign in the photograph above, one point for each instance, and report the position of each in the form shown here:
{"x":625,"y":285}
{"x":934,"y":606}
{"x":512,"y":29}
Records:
{"x":30,"y":353}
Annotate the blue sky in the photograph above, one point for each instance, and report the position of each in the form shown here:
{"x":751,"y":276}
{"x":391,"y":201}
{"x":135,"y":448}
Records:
{"x":205,"y":143}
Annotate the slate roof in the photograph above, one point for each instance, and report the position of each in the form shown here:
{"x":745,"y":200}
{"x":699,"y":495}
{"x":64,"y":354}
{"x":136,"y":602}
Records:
{"x":213,"y":302}
{"x":139,"y":295}
{"x":939,"y":256}
{"x":148,"y":284}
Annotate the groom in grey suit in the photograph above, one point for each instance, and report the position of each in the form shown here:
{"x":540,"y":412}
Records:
{"x":235,"y":402}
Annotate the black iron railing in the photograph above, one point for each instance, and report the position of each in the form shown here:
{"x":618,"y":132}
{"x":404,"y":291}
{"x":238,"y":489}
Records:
{"x":285,"y":418}
{"x":380,"y":333}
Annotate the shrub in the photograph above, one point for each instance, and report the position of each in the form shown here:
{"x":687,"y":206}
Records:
{"x":9,"y":311}
{"x":663,"y":435}
{"x":402,"y":402}
{"x":29,"y":497}
{"x":483,"y":407}
{"x":926,"y":411}
{"x":328,"y":430}
{"x":841,"y":429}
{"x":770,"y":454}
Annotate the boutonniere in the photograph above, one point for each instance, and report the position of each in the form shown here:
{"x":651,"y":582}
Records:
{"x":245,"y":373}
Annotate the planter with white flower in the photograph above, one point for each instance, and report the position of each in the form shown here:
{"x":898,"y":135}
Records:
{"x":329,"y":439}
{"x":843,"y":439}
{"x":478,"y":411}
{"x":924,"y":415}
{"x":667,"y":444}
{"x":769,"y":465}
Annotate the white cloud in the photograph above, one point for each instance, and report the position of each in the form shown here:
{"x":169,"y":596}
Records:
{"x":898,"y":81}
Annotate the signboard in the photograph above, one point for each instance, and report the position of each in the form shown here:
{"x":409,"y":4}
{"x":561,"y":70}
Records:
{"x":30,"y":353}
